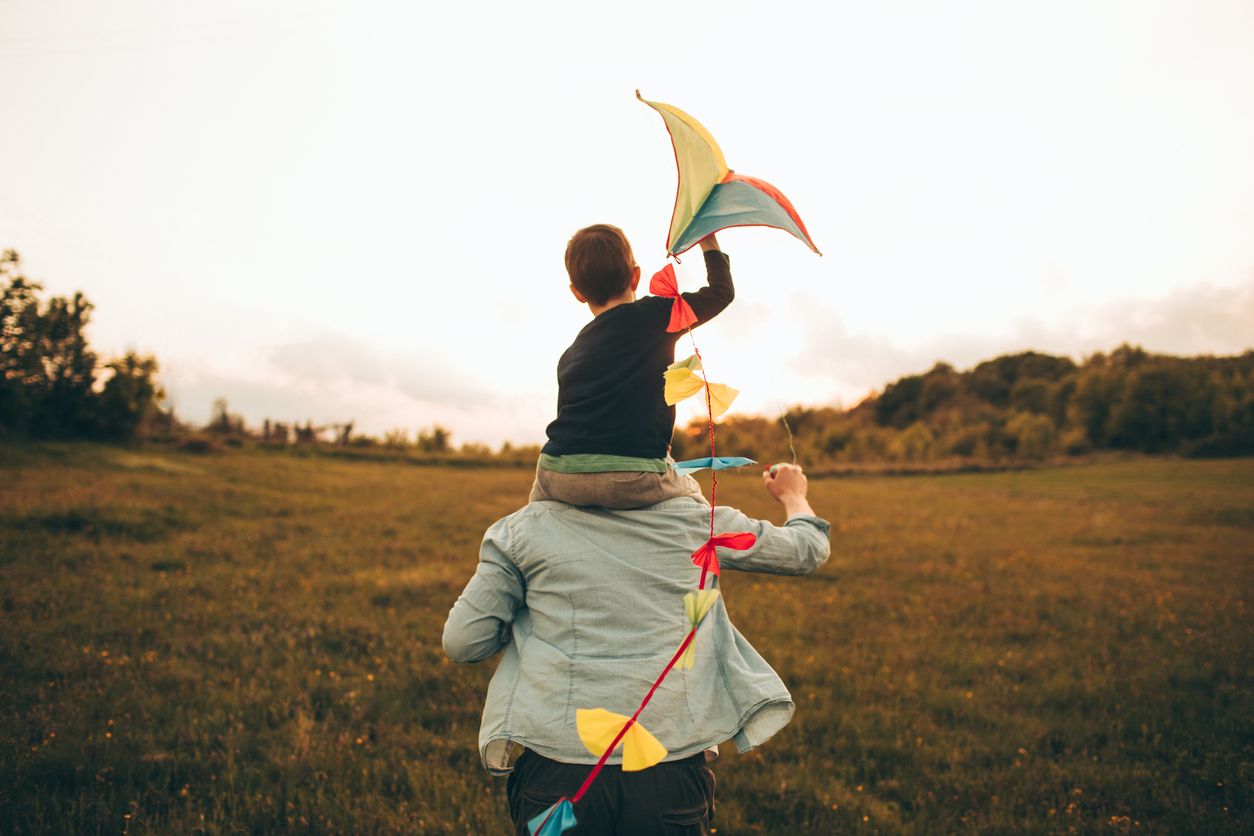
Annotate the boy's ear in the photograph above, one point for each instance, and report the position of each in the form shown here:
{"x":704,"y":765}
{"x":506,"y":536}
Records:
{"x":574,"y":290}
{"x":635,"y":278}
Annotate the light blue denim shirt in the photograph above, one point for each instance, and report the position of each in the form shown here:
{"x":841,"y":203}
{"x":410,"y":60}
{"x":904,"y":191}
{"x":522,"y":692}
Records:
{"x":588,"y":605}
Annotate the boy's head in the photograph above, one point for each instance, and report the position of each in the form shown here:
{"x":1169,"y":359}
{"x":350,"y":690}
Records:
{"x":600,"y":264}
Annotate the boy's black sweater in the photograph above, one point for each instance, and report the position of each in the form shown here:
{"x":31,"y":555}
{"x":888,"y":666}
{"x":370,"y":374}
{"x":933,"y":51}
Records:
{"x":609,"y":382}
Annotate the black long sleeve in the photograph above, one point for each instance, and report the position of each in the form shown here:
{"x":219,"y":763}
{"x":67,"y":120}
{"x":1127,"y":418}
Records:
{"x":609,"y":397}
{"x":709,"y":301}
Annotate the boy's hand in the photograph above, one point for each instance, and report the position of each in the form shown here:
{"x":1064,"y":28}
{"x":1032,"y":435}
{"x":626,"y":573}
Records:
{"x":789,"y":487}
{"x":709,"y":243}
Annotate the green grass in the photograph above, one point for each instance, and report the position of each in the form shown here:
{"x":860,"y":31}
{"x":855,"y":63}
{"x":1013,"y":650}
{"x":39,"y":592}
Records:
{"x":250,"y":642}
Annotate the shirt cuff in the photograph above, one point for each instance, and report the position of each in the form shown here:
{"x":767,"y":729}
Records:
{"x":818,"y":522}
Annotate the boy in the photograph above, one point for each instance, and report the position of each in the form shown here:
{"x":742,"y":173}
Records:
{"x":610,"y":441}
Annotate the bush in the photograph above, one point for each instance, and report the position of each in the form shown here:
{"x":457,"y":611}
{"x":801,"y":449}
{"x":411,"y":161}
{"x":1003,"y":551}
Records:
{"x":200,"y":444}
{"x":1032,"y":435}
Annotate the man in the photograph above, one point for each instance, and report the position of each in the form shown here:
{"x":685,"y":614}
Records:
{"x":588,"y":604}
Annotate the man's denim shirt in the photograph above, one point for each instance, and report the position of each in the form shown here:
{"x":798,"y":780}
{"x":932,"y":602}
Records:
{"x":588,"y":605}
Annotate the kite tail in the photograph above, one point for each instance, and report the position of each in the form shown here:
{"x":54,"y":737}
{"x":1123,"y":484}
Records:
{"x":692,"y":633}
{"x":600,"y":764}
{"x":709,"y":407}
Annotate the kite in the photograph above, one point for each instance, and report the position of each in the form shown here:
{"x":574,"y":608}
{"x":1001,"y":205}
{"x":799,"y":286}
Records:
{"x":681,"y":381}
{"x":696,"y":605}
{"x":710,"y":196}
{"x":712,"y":463}
{"x":664,"y":284}
{"x":707,"y":556}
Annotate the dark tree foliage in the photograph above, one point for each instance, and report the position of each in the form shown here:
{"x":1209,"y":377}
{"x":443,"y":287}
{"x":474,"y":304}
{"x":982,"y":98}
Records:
{"x":899,"y":406}
{"x":48,"y":382}
{"x":1027,"y":406}
{"x":994,"y":381}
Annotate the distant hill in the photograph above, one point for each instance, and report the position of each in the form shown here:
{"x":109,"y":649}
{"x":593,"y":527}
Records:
{"x":1019,"y":407}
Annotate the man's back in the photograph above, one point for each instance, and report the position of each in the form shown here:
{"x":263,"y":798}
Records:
{"x":589,"y":606}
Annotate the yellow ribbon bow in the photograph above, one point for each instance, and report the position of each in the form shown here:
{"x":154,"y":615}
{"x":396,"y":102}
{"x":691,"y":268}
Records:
{"x":682,"y":381}
{"x":598,"y":728}
{"x":696,"y":605}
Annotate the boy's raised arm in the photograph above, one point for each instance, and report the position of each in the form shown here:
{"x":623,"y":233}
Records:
{"x":718,"y":293}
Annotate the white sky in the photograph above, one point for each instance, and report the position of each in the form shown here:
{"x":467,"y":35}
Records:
{"x":358,"y":210}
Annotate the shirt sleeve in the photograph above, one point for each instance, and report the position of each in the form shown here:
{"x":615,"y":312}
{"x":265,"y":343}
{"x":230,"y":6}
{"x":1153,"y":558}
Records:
{"x":479,"y":623}
{"x":718,"y":293}
{"x":798,"y":547}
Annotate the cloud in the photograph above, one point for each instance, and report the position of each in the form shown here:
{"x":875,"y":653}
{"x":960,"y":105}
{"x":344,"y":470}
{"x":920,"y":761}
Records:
{"x":330,"y":378}
{"x":1203,"y":319}
{"x":335,"y":359}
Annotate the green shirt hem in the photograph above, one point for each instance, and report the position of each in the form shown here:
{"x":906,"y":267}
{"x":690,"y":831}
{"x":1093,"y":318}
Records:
{"x":601,"y":463}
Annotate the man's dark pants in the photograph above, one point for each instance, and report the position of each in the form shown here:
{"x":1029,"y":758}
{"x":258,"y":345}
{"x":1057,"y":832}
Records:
{"x":675,"y":797}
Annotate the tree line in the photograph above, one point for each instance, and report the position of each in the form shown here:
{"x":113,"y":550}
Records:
{"x":52,"y":385}
{"x":1019,"y":407}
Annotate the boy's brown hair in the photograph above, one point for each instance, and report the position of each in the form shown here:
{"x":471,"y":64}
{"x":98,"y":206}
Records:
{"x":600,"y":262}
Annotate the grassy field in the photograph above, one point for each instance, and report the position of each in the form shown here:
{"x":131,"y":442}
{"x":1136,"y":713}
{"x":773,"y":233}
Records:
{"x":250,"y":642}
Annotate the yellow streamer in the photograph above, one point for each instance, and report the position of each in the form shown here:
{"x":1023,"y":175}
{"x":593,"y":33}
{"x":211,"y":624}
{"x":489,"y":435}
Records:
{"x":598,"y":728}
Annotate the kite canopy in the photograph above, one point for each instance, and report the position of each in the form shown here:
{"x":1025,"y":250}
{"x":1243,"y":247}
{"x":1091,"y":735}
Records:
{"x":710,"y":196}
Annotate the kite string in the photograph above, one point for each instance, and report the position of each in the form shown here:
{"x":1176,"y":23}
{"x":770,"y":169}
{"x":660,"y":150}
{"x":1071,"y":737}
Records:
{"x":709,"y":406}
{"x":791,"y":449}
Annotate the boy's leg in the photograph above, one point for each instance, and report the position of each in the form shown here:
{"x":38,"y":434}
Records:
{"x":619,"y":489}
{"x":622,"y":489}
{"x":572,"y":488}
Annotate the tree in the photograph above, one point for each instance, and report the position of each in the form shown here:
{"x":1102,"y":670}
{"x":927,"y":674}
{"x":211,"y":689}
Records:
{"x":435,"y":440}
{"x":1032,"y":434}
{"x":48,"y":370}
{"x":224,"y":421}
{"x":130,"y":397}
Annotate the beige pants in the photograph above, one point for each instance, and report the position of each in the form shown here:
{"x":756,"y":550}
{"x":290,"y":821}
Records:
{"x":617,"y":489}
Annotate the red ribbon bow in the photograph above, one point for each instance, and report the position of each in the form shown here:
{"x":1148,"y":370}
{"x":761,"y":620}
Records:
{"x":707,"y":558}
{"x":664,"y":284}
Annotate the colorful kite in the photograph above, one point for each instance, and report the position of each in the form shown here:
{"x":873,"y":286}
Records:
{"x":710,"y":196}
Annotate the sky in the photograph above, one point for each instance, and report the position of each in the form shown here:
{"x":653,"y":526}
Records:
{"x":357,"y":211}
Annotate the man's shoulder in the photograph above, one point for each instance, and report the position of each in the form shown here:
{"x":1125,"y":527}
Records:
{"x":551,"y":508}
{"x":552,"y":513}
